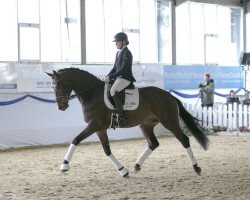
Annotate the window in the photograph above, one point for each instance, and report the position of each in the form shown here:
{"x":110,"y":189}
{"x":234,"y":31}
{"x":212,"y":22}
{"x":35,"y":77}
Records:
{"x":130,"y":25}
{"x":208,"y":34}
{"x":28,"y":11}
{"x":28,"y":30}
{"x":182,"y":34}
{"x":50,"y":31}
{"x":196,"y":33}
{"x":40,"y":30}
{"x":8,"y":33}
{"x":111,"y":25}
{"x":70,"y":31}
{"x":29,"y":42}
{"x":164,"y":31}
{"x":138,"y":19}
{"x":95,"y":31}
{"x":248,"y":32}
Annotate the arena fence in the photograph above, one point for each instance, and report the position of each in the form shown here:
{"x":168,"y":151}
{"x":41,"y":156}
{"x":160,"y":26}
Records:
{"x":222,"y":116}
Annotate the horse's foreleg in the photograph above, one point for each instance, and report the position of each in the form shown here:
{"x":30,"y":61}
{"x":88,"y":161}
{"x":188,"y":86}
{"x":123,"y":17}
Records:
{"x":83,"y":135}
{"x":65,"y":166}
{"x":105,"y":143}
{"x":148,"y":132}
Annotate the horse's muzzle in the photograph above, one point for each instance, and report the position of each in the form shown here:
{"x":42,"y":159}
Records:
{"x":63,"y":108}
{"x":62,"y":103}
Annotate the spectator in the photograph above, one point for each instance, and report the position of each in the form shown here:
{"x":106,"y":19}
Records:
{"x":246,"y":99}
{"x":206,"y":90}
{"x":232,"y":98}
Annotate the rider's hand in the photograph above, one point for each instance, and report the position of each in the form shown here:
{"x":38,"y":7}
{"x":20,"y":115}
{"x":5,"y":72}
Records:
{"x":106,"y":79}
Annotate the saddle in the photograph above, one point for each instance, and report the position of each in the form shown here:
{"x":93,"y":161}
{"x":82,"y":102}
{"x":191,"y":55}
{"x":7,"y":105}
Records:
{"x":130,"y":101}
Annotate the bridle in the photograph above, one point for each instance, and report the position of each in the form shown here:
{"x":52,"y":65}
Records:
{"x":61,"y":96}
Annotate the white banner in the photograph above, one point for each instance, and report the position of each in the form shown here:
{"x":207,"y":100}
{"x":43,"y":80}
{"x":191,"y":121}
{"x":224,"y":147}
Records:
{"x":33,"y":77}
{"x":148,"y":75}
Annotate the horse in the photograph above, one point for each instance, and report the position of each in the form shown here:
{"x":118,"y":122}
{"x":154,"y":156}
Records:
{"x":155,"y":106}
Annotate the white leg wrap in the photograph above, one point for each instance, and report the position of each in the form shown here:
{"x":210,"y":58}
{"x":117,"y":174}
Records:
{"x":143,"y":156}
{"x":115,"y":162}
{"x":70,"y":152}
{"x":118,"y":165}
{"x":65,"y":167}
{"x":191,"y":156}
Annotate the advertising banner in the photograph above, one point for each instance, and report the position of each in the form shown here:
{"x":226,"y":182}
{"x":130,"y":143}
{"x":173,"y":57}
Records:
{"x":148,"y":75}
{"x":189,"y":77}
{"x":8,"y":77}
{"x":33,"y":77}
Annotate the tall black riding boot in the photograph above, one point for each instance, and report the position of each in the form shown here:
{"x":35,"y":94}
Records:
{"x":122,"y":117}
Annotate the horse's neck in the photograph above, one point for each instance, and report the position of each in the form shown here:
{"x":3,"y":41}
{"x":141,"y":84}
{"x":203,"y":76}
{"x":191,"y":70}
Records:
{"x":86,"y":91}
{"x":84,"y":82}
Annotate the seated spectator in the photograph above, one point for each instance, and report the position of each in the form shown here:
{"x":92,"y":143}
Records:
{"x":246,"y":99}
{"x":232,"y":98}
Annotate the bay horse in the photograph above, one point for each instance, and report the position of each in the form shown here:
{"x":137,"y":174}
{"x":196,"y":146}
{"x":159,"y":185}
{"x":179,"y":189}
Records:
{"x":155,"y":106}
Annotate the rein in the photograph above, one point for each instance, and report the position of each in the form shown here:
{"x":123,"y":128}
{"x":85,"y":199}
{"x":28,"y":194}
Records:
{"x":86,"y":90}
{"x":76,"y":94}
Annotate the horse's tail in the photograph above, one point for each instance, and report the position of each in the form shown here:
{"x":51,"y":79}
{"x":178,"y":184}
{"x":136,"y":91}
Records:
{"x":192,"y":124}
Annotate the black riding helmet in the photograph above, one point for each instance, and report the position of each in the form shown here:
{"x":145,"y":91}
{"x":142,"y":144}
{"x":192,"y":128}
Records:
{"x":121,"y":36}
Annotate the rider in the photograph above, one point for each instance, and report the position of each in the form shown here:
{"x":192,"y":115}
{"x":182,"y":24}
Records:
{"x":121,"y":73}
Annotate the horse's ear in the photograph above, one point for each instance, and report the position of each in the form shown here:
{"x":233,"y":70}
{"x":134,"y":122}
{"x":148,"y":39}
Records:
{"x":55,"y":73}
{"x":51,"y":75}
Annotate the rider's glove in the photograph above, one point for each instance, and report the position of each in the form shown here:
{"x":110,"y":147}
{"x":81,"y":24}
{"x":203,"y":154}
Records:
{"x":106,"y":79}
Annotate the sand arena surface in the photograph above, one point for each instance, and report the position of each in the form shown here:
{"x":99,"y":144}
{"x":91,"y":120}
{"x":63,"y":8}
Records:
{"x":33,"y":173}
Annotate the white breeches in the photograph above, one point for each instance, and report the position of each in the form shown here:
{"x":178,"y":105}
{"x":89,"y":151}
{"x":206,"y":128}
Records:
{"x":119,"y":85}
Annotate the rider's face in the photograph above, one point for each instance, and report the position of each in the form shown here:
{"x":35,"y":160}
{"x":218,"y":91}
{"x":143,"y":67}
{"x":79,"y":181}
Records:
{"x":206,"y":78}
{"x":119,"y":44}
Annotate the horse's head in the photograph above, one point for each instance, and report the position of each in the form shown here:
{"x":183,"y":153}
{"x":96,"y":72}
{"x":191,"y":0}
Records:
{"x":62,"y":90}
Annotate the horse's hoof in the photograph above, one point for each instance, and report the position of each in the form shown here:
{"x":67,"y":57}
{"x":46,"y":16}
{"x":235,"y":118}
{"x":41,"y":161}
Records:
{"x":124,"y":172}
{"x":64,"y":168}
{"x":197,"y":169}
{"x":126,"y":175}
{"x":137,"y":168}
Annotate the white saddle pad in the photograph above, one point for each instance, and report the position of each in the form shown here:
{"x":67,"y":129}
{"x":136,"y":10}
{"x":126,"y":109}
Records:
{"x":131,"y":99}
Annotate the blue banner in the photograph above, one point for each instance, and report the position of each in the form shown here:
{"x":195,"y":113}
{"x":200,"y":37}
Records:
{"x":189,"y":77}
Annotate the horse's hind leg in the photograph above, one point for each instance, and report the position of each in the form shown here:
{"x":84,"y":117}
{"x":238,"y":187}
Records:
{"x":148,"y":132}
{"x":174,"y":126}
{"x":106,"y":147}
